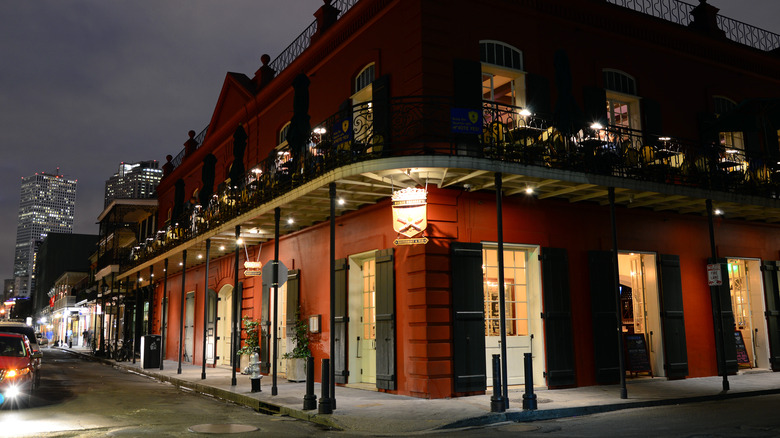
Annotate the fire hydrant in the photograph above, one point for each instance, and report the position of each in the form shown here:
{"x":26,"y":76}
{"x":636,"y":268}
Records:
{"x":254,"y":370}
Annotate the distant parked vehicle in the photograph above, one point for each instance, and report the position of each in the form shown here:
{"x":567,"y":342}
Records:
{"x":18,"y":372}
{"x":42,"y":341}
{"x":24,"y":329}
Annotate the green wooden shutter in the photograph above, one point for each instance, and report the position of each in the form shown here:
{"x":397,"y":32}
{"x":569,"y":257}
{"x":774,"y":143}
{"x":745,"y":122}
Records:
{"x":675,"y":349}
{"x":293,"y":306}
{"x":385,"y":320}
{"x":771,"y":271}
{"x":651,"y":120}
{"x":341,"y":320}
{"x":723,"y":293}
{"x":537,"y":92}
{"x":380,"y":91}
{"x":604,"y":312}
{"x":468,"y":308}
{"x":559,"y":343}
{"x":467,"y":94}
{"x":595,"y":99}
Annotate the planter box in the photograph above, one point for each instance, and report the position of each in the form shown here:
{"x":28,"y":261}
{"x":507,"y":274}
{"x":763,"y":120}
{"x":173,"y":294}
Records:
{"x":296,"y":369}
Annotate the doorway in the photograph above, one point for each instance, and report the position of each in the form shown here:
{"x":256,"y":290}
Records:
{"x":281,"y":326}
{"x":211,"y":326}
{"x":747,"y":303}
{"x":362,"y":317}
{"x":522,"y":300}
{"x":224,"y":325}
{"x":189,"y":327}
{"x":640,"y":305}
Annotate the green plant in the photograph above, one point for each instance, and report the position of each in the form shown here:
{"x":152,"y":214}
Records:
{"x":252,"y":341}
{"x":300,"y":337}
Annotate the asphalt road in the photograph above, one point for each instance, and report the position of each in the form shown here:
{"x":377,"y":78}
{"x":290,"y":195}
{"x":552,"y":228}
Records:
{"x":81,"y":398}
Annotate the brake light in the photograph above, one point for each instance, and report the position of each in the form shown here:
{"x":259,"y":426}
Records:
{"x":17,"y":373}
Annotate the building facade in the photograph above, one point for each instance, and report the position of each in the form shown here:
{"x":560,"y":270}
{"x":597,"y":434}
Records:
{"x":46,"y":205}
{"x":134,"y":181}
{"x":446,"y":181}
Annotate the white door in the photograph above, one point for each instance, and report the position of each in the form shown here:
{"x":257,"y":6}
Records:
{"x":281,"y":327}
{"x":361,"y":304}
{"x":516,"y":300}
{"x":224,"y":324}
{"x":210,"y":327}
{"x":189,"y":327}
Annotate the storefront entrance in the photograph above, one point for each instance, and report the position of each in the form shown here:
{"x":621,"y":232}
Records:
{"x":362,"y":317}
{"x":640,"y":311}
{"x":747,"y":303}
{"x":224,"y":325}
{"x":522,"y":299}
{"x":189,"y":327}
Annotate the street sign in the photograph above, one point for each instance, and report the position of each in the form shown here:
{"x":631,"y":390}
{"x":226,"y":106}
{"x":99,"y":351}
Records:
{"x":714,"y":275}
{"x":268,"y":273}
{"x":252,"y":269}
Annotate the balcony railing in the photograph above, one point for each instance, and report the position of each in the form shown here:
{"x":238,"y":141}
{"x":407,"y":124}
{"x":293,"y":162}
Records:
{"x":414,"y":126}
{"x":680,"y":12}
{"x":198,"y":138}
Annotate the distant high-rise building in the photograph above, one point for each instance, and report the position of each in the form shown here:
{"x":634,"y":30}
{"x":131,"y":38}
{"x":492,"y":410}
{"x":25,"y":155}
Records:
{"x":47,"y":204}
{"x":134,"y":181}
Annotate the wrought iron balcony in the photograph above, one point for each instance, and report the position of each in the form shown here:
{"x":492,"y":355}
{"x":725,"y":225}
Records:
{"x":495,"y":135}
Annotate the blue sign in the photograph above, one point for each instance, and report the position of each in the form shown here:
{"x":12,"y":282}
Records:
{"x":465,"y":121}
{"x":342,"y":133}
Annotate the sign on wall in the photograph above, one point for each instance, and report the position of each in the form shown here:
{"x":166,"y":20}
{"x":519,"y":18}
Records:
{"x":714,"y":275}
{"x":410,"y":216}
{"x":253,"y":269}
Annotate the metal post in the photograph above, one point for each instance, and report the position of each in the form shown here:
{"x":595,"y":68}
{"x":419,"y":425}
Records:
{"x":181,"y":307}
{"x":715,"y":293}
{"x":325,"y":401}
{"x":275,"y":284}
{"x":152,"y":293}
{"x":501,"y":286}
{"x":164,"y":314}
{"x":236,"y":337}
{"x":138,"y":310}
{"x":332,"y":193}
{"x":310,"y":399}
{"x":529,"y":398}
{"x":102,"y":334}
{"x":113,"y":329}
{"x":616,"y":279}
{"x":497,"y":403}
{"x":205,"y":310}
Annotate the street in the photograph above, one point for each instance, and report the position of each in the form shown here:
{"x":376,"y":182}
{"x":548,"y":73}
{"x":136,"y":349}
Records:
{"x":88,"y":399}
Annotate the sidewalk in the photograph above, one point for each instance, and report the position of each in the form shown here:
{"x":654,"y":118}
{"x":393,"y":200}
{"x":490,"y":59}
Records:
{"x":370,"y":412}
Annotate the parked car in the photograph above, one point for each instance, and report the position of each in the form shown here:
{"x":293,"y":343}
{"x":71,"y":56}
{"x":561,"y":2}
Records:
{"x":24,"y":329}
{"x":42,"y":341}
{"x":17,"y":369}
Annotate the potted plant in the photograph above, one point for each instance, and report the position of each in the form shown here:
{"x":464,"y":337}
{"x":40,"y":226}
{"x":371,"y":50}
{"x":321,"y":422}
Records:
{"x":251,"y":342}
{"x":296,"y":358}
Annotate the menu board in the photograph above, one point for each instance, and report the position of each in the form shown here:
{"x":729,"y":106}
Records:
{"x":636,"y":353}
{"x":742,"y":355}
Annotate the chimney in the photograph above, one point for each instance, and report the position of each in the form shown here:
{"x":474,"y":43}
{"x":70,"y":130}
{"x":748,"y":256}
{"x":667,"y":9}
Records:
{"x":264,"y":74}
{"x":705,"y":20}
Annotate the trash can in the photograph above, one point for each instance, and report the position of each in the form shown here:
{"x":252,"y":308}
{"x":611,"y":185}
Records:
{"x":150,"y":351}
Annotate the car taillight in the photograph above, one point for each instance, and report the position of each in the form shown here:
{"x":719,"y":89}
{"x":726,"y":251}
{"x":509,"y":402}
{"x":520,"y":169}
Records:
{"x":10,"y":374}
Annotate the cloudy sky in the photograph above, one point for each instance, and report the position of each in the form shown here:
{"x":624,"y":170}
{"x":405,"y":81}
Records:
{"x":86,"y":84}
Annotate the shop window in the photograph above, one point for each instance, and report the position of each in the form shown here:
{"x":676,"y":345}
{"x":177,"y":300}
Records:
{"x":732,"y":142}
{"x":622,"y":100}
{"x":515,"y":292}
{"x":503,"y":78}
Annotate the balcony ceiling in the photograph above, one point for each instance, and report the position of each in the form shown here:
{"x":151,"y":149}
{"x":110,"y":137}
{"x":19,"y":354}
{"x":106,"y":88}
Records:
{"x":369,"y":182}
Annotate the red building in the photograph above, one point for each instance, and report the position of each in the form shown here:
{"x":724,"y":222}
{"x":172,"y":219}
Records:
{"x":627,"y":148}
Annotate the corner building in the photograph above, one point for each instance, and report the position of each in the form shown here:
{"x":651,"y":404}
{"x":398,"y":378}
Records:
{"x":538,"y":119}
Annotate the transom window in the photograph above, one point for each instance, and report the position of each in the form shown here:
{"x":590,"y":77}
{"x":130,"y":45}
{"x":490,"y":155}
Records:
{"x":364,"y":78}
{"x":515,"y":291}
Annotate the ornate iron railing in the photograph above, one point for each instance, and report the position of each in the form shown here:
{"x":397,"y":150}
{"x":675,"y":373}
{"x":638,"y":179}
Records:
{"x":176,"y":161}
{"x":303,"y":40}
{"x":433,"y":126}
{"x":679,"y":12}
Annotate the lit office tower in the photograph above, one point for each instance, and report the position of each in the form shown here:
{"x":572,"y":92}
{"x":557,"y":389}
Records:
{"x":134,"y":181}
{"x":46,"y":205}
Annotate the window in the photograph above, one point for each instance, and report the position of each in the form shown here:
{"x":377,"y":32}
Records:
{"x":503,"y":80}
{"x":515,"y":291}
{"x":363,"y":94}
{"x":732,"y":142}
{"x":369,"y":299}
{"x":282,"y":149}
{"x":282,"y":138}
{"x":622,"y":100}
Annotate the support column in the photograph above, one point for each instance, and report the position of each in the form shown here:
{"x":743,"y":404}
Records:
{"x":236,"y":337}
{"x":138,"y":315}
{"x":275,"y":285}
{"x":501,"y":288}
{"x":332,"y":392}
{"x":720,"y":335}
{"x":181,"y":306}
{"x":164,"y":314}
{"x":205,"y":309}
{"x":616,"y":279}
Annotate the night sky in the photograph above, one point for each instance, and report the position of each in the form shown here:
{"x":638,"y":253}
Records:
{"x":86,"y":84}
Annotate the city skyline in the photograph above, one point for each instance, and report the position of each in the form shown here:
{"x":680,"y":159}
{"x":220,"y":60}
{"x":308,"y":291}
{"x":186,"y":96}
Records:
{"x":90,"y":84}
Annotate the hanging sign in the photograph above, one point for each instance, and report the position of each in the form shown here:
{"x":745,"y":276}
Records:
{"x":253,"y":269}
{"x":410,"y":215}
{"x":714,"y":275}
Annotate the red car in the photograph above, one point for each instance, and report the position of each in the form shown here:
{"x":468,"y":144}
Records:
{"x":17,"y":369}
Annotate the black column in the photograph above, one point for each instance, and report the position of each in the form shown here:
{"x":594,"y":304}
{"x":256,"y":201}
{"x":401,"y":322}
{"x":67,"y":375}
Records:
{"x":718,"y":311}
{"x":181,"y":307}
{"x":205,"y":309}
{"x":619,"y":316}
{"x":501,"y":291}
{"x":164,"y":314}
{"x":235,"y":334}
{"x":275,"y":285}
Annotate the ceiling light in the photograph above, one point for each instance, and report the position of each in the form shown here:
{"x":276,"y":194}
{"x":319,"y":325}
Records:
{"x":290,"y":221}
{"x":529,"y":190}
{"x":239,"y":241}
{"x":596,"y":125}
{"x":341,"y":201}
{"x":221,"y":247}
{"x":525,"y":112}
{"x":717,"y":212}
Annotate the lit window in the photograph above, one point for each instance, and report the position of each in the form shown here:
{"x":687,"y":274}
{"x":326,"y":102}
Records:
{"x":503,"y":79}
{"x":622,"y":100}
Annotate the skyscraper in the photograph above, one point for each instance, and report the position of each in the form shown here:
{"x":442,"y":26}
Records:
{"x":134,"y":181}
{"x":47,"y":204}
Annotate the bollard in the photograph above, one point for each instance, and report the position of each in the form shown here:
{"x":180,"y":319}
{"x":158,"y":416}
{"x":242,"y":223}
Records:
{"x":310,"y":399}
{"x":254,"y":366}
{"x":529,"y":398}
{"x":497,"y":400}
{"x":325,"y":405}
